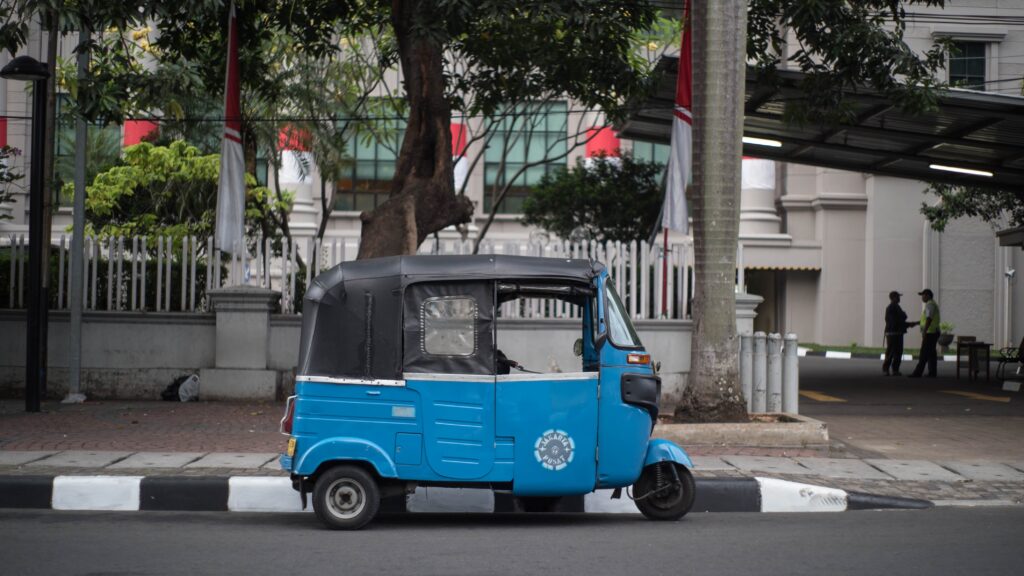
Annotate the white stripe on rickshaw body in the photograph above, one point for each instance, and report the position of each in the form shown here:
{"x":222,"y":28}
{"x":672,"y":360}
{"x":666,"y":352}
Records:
{"x":431,"y":377}
{"x":350,"y":381}
{"x":548,"y":376}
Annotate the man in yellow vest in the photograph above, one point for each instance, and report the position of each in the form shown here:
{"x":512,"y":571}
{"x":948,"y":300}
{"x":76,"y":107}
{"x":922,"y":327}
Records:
{"x":929,"y":335}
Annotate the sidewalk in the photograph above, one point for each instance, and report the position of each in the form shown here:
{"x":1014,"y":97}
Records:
{"x":228,"y":440}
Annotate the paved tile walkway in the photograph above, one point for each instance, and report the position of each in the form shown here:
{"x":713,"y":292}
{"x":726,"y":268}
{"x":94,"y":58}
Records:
{"x":960,"y":483}
{"x":972,"y":459}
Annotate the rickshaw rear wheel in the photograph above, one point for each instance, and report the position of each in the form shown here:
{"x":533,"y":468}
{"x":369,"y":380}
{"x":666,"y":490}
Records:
{"x":658,"y":494}
{"x":346,"y":497}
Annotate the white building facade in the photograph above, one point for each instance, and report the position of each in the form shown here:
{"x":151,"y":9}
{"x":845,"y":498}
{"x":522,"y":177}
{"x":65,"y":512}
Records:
{"x":822,"y":247}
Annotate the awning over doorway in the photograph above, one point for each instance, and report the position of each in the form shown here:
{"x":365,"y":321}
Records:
{"x":970,"y":130}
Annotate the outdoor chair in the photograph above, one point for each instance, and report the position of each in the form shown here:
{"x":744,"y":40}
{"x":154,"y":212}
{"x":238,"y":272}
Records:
{"x":1009,"y":355}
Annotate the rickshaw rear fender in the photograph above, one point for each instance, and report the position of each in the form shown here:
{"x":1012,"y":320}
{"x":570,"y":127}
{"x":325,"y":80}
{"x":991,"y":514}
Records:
{"x":345,"y":449}
{"x":659,"y":450}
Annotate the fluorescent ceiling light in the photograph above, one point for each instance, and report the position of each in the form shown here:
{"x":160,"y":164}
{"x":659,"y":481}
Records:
{"x":960,"y":170}
{"x":762,"y":142}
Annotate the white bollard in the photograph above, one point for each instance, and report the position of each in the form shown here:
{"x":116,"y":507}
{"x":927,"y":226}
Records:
{"x":747,"y":368}
{"x":760,"y":381}
{"x":774,"y":373}
{"x":790,"y":376}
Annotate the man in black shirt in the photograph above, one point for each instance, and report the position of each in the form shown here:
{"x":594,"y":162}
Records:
{"x":895,"y":327}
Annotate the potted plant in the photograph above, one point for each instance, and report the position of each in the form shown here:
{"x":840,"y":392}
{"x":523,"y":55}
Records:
{"x":945,"y":335}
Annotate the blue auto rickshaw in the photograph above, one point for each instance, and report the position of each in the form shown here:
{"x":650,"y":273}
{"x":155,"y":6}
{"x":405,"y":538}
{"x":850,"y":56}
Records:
{"x":400,"y":384}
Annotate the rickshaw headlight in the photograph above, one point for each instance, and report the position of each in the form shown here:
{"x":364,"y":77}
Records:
{"x":638,"y":359}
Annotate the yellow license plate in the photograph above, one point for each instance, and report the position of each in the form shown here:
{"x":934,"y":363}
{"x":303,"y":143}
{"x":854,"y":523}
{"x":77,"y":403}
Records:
{"x":291,"y":447}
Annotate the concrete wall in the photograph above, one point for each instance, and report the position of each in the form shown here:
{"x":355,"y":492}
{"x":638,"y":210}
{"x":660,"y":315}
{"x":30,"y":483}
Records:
{"x":128,"y":355}
{"x":546,"y":345}
{"x":967,"y":268}
{"x":840,"y":222}
{"x":893,"y":249}
{"x":799,"y":314}
{"x":123,"y":355}
{"x":1016,"y":290}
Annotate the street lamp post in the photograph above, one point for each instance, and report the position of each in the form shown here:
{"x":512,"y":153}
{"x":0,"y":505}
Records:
{"x":31,"y":70}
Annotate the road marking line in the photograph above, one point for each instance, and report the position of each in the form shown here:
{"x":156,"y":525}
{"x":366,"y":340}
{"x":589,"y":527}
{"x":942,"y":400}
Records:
{"x":820,"y":397}
{"x":976,"y":396}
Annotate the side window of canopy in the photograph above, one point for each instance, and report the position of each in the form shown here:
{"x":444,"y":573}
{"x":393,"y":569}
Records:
{"x":448,"y":325}
{"x":449,"y":328}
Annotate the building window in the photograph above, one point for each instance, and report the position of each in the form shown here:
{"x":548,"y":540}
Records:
{"x":103,"y":148}
{"x":262,"y":167}
{"x":449,"y":325}
{"x":651,"y":152}
{"x":967,"y":65}
{"x":518,"y":150}
{"x":366,"y":181}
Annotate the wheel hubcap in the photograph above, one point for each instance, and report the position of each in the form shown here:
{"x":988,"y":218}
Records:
{"x":346,"y":498}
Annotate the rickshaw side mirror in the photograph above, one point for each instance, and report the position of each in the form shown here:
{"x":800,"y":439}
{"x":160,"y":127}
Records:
{"x":600,"y":339}
{"x":577,"y":347}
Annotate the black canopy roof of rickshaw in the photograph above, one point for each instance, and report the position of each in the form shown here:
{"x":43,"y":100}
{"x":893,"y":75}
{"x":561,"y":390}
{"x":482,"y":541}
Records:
{"x":411,"y":269}
{"x":352,"y":313}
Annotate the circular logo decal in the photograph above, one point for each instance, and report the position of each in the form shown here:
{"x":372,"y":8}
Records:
{"x":554,"y":449}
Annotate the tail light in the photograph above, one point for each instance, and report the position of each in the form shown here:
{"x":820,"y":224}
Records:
{"x":289,"y":416}
{"x":638,"y":359}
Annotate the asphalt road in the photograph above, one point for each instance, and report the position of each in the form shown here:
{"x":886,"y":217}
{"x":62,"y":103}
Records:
{"x":939,"y":541}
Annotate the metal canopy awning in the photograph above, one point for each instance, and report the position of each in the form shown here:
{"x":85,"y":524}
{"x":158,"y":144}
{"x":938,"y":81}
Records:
{"x":1011,"y":237}
{"x":971,"y":130}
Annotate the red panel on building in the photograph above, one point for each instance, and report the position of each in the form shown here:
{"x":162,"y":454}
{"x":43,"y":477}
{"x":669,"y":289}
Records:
{"x":3,"y":131}
{"x":295,"y":139}
{"x":458,"y":139}
{"x":602,"y":141}
{"x":136,"y":131}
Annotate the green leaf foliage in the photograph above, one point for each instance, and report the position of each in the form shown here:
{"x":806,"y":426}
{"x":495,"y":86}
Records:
{"x":613,"y":199}
{"x":8,"y":176}
{"x":989,"y":204}
{"x":164,"y":190}
{"x":841,"y":46}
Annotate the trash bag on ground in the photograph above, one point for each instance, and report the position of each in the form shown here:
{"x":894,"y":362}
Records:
{"x":189,"y":389}
{"x":185,"y":388}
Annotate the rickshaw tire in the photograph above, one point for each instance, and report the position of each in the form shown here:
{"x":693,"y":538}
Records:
{"x":355,"y":481}
{"x":654,"y":508}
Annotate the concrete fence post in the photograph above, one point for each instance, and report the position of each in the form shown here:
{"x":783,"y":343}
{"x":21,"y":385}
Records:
{"x":760,"y":380}
{"x":747,"y":368}
{"x":242,"y":345}
{"x":790,"y":376}
{"x":774,"y":372}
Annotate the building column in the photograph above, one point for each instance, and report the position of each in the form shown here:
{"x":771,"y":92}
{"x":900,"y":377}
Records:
{"x":758,"y":214}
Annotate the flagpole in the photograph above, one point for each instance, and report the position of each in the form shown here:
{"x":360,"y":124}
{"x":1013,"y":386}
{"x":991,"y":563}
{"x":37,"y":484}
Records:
{"x":664,"y":275}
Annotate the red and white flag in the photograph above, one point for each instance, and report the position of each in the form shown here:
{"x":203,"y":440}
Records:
{"x":460,"y":165}
{"x":231,"y":190}
{"x":673,"y":213}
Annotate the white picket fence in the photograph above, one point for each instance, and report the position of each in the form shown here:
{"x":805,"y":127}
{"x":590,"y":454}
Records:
{"x":160,"y":274}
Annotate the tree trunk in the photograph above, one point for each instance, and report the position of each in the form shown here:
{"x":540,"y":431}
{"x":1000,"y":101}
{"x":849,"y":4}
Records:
{"x":719,"y":48}
{"x":422,"y":199}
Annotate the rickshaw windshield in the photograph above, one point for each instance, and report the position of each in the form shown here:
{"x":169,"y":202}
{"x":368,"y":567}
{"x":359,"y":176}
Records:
{"x":620,"y":329}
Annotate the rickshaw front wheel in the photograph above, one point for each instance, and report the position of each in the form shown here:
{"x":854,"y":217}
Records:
{"x":346,"y":498}
{"x":664,"y":491}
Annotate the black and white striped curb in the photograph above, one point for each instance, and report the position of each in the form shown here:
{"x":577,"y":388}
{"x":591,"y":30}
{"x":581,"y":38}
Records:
{"x":275,"y":494}
{"x":835,"y":354}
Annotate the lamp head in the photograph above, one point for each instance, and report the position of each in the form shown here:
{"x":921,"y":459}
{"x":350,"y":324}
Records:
{"x":25,"y":68}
